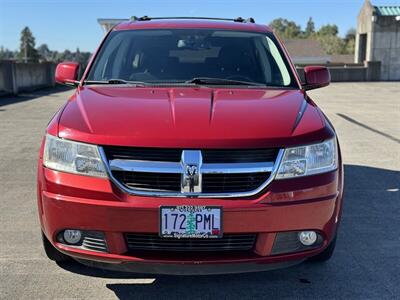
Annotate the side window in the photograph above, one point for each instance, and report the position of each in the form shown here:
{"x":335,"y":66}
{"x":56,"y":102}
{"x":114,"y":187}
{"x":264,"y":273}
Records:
{"x":273,"y":50}
{"x":112,"y":58}
{"x":264,"y":60}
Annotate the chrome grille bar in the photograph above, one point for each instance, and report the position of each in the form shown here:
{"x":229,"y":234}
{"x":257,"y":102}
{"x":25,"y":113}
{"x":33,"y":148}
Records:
{"x":145,"y":166}
{"x":234,"y":168}
{"x":177,"y":168}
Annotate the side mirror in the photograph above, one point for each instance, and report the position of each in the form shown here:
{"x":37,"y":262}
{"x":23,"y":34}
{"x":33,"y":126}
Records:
{"x":316,"y":77}
{"x":67,"y":73}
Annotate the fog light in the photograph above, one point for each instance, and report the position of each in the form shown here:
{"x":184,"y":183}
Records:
{"x":307,"y":238}
{"x":72,"y":236}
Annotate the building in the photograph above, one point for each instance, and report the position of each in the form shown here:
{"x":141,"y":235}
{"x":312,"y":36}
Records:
{"x":378,"y":38}
{"x":107,"y":24}
{"x":307,"y":51}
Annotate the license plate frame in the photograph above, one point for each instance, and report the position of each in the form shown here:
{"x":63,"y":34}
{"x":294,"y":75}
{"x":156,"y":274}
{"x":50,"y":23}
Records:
{"x":185,"y":209}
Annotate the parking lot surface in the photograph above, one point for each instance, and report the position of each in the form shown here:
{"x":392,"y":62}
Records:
{"x":364,"y":266}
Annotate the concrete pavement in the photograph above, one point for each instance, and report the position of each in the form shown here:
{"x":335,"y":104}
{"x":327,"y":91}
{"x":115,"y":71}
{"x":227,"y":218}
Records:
{"x":364,"y":266}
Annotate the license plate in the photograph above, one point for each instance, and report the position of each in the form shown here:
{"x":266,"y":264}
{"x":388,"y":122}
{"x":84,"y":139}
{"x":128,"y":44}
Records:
{"x":190,"y":221}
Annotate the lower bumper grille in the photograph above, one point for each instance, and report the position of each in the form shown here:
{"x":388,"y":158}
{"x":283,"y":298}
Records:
{"x":233,"y":242}
{"x":94,"y":241}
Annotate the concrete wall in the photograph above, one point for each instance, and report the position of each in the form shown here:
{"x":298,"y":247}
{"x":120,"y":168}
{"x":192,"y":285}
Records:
{"x":364,"y":26}
{"x":19,"y":77}
{"x":386,"y":47}
{"x":5,"y":79}
{"x":383,"y":41}
{"x":369,"y":72}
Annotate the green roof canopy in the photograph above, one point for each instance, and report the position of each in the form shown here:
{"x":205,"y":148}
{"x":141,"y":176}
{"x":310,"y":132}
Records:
{"x":387,"y":10}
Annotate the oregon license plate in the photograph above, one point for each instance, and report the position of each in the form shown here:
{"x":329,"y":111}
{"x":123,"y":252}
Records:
{"x":190,"y":221}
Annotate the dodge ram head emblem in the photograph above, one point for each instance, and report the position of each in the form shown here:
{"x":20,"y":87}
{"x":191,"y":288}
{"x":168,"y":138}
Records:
{"x":191,"y":176}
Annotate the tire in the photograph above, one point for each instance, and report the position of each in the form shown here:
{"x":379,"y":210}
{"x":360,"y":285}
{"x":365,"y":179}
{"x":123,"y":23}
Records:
{"x":52,"y":253}
{"x":326,"y":254}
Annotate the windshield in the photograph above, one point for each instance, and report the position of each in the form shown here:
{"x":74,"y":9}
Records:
{"x":184,"y":55}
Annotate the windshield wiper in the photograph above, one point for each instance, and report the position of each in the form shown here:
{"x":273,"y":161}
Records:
{"x":221,"y":81}
{"x":115,"y":81}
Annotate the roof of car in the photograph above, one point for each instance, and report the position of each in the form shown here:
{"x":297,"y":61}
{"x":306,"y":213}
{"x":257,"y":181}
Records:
{"x":171,"y":23}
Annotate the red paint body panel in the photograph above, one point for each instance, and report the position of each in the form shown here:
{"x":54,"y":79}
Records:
{"x":302,"y":206}
{"x":187,"y":117}
{"x":190,"y":118}
{"x":316,"y":77}
{"x":67,"y":72}
{"x":181,"y":24}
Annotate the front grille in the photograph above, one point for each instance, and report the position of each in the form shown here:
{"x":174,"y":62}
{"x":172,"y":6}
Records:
{"x":150,"y":154}
{"x":229,"y":242}
{"x":231,"y":183}
{"x":214,"y":172}
{"x":239,"y":155}
{"x":149,"y":181}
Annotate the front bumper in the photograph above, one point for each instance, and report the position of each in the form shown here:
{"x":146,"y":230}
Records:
{"x":186,"y":269}
{"x":87,"y":203}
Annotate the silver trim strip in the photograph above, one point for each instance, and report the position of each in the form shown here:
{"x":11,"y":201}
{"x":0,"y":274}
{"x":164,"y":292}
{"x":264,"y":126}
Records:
{"x":232,"y":168}
{"x":176,"y":168}
{"x":262,"y":167}
{"x":145,"y":166}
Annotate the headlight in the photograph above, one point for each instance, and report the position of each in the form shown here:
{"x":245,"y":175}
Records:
{"x":308,"y":160}
{"x":72,"y":157}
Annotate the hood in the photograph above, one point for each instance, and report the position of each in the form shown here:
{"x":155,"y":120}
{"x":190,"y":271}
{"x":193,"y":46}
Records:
{"x":190,"y":117}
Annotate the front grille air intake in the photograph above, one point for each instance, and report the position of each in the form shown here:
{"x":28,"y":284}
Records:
{"x":149,"y":181}
{"x":239,"y":156}
{"x":229,"y":242}
{"x":232,"y":183}
{"x":209,"y":155}
{"x":149,"y":154}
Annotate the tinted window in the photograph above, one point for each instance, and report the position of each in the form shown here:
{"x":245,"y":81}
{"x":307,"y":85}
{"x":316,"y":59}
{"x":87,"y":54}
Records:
{"x":183,"y":54}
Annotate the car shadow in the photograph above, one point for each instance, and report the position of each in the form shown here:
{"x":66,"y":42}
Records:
{"x":371,"y":209}
{"x":36,"y":94}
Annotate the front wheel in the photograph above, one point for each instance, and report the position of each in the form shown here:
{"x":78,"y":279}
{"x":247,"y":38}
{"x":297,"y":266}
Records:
{"x":326,"y":254}
{"x":51,"y":252}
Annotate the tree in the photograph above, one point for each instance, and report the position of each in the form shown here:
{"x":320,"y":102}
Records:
{"x":285,"y":28}
{"x":310,"y":28}
{"x":65,"y":56}
{"x":328,"y":30}
{"x":44,"y":52}
{"x":351,"y":34}
{"x":350,"y":41}
{"x":332,"y":44}
{"x":27,"y":48}
{"x":6,"y":54}
{"x":81,"y":57}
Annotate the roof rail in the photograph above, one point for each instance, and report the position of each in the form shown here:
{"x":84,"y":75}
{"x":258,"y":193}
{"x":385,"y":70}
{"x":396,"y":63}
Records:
{"x":146,"y":18}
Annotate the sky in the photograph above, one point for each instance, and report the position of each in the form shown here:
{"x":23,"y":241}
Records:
{"x":73,"y":24}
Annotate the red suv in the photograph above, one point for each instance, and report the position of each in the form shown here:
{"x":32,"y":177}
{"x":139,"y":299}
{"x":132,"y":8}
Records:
{"x":190,"y":146}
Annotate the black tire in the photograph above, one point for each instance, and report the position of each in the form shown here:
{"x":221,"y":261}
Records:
{"x":326,"y":254}
{"x":52,"y":253}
